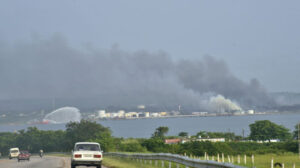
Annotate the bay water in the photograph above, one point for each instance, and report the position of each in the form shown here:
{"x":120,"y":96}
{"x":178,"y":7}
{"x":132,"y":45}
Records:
{"x":144,"y":128}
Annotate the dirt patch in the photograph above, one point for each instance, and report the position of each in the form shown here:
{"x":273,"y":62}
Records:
{"x":3,"y":160}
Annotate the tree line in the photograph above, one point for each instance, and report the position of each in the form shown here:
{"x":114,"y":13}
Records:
{"x":34,"y":139}
{"x":263,"y":131}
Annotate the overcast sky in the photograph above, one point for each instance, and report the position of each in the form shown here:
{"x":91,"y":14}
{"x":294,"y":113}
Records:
{"x":257,"y":39}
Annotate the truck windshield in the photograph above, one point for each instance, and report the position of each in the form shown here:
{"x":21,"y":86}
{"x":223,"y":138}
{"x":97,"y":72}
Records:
{"x":87,"y":147}
{"x":14,"y":151}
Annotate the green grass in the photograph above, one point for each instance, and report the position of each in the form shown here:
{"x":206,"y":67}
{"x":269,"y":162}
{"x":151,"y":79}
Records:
{"x":264,"y":161}
{"x":114,"y":162}
{"x":260,"y":161}
{"x":120,"y":163}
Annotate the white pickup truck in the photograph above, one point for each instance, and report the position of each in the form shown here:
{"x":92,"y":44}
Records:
{"x":86,"y":154}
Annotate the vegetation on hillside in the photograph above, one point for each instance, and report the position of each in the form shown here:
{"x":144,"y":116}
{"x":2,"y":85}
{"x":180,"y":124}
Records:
{"x":34,"y":139}
{"x":266,"y":130}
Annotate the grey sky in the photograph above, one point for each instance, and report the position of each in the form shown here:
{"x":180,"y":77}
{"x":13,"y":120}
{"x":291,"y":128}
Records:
{"x":256,"y":38}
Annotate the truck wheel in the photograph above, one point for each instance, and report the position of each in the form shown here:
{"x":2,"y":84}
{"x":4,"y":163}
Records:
{"x":73,"y":166}
{"x":99,"y":166}
{"x":18,"y":160}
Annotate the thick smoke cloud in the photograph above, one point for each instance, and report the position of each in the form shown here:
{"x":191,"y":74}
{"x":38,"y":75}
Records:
{"x":52,"y":68}
{"x":211,"y":75}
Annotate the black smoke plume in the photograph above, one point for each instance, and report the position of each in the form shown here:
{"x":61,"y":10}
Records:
{"x":53,"y":69}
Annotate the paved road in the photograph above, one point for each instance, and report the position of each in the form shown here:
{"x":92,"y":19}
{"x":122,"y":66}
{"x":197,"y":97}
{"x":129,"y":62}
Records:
{"x":37,"y":162}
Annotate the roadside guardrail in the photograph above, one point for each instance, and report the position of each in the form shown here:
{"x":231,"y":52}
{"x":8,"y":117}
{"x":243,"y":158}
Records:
{"x":184,"y":160}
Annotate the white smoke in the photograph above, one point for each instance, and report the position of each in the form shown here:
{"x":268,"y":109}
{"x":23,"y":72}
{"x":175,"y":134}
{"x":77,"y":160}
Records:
{"x":220,"y":104}
{"x":63,"y":115}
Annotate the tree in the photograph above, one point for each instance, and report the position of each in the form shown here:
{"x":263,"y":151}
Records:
{"x":7,"y":140}
{"x":266,"y":130}
{"x":295,"y":133}
{"x":160,"y":132}
{"x":202,"y":134}
{"x":132,"y":145}
{"x":29,"y":140}
{"x":183,"y":134}
{"x":155,"y":145}
{"x":87,"y":131}
{"x":34,"y":139}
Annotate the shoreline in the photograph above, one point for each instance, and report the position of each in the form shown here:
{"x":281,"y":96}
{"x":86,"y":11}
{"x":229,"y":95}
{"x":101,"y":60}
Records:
{"x":161,"y":117}
{"x":191,"y":115}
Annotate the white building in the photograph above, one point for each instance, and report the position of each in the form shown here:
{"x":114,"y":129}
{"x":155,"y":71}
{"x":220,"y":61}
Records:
{"x":200,"y":113}
{"x":121,"y":113}
{"x":114,"y":115}
{"x":101,"y":114}
{"x":132,"y":115}
{"x":108,"y":115}
{"x":147,"y":114}
{"x":155,"y":115}
{"x":212,"y":139}
{"x":250,"y":111}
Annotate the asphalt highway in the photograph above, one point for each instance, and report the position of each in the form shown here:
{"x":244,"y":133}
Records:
{"x":37,"y":162}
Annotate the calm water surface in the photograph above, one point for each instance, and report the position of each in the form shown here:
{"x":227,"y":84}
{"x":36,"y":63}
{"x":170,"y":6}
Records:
{"x":192,"y":125}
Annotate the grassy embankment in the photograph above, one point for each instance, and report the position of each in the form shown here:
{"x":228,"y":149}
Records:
{"x":264,"y":161}
{"x":113,"y":162}
{"x":261,"y":161}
